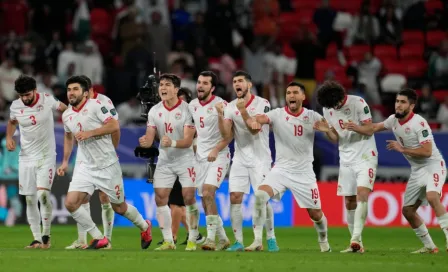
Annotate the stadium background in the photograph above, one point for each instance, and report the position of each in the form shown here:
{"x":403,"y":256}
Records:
{"x":276,"y":41}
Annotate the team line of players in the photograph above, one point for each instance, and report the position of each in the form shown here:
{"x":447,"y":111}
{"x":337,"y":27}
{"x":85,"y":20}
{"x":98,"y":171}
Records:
{"x":247,"y":119}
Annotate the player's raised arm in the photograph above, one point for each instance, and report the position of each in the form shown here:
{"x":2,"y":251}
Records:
{"x":323,"y":126}
{"x":224,"y":124}
{"x":377,"y":127}
{"x":365,"y":120}
{"x":186,"y":142}
{"x":241,"y":105}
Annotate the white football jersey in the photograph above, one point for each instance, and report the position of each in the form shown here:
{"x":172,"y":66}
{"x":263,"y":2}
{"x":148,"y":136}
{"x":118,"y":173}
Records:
{"x":205,"y":119}
{"x":98,"y":152}
{"x":36,"y":125}
{"x":110,"y":106}
{"x":171,"y":122}
{"x":250,"y":150}
{"x":411,"y":133}
{"x":353,"y":147}
{"x":294,"y":139}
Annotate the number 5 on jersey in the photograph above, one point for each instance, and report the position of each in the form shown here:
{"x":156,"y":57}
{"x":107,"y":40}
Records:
{"x":168,"y":128}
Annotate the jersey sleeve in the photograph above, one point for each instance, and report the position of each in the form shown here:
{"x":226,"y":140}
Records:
{"x":272,"y":116}
{"x":316,"y":117}
{"x":363,"y":111}
{"x":66,"y":128}
{"x":327,"y":116}
{"x":150,"y":122}
{"x":389,"y":122}
{"x":228,"y":114}
{"x":102,"y":112}
{"x":12,"y":115}
{"x":424,"y":133}
{"x":189,"y":119}
{"x":53,"y":101}
{"x":264,"y":107}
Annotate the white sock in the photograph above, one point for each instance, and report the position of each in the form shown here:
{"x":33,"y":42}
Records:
{"x":423,"y":234}
{"x":163,"y":214}
{"x":269,"y":225}
{"x":46,"y":209}
{"x":260,"y":213}
{"x":82,"y":234}
{"x":236,"y":217}
{"x":33,"y":216}
{"x":83,"y":218}
{"x":443,"y":222}
{"x":220,"y":231}
{"x":212,"y":225}
{"x":350,"y":220}
{"x":107,"y":215}
{"x":360,"y":220}
{"x":192,"y":221}
{"x":136,"y":218}
{"x":321,"y":227}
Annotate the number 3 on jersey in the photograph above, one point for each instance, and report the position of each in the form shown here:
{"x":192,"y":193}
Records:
{"x":168,"y":128}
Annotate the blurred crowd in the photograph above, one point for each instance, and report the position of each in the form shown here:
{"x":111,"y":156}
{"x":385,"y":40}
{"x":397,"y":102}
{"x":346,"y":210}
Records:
{"x":373,"y":47}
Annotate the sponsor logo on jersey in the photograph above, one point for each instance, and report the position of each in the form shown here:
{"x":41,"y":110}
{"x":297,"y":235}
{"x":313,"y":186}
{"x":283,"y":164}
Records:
{"x":425,"y":133}
{"x":366,"y":109}
{"x":40,"y":108}
{"x":104,"y":110}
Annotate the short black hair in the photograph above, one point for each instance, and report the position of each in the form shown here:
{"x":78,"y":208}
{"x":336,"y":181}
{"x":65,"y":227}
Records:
{"x":24,"y":84}
{"x":296,"y":84}
{"x":212,"y":75}
{"x":330,"y":94}
{"x":80,"y":80}
{"x":87,"y":79}
{"x":185,"y":92}
{"x":171,"y":77}
{"x":411,"y":94}
{"x":244,"y":74}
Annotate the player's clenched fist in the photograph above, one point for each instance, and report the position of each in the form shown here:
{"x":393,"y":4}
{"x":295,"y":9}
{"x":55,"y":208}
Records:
{"x":10,"y":144}
{"x":255,"y":125}
{"x":166,"y":141}
{"x":143,"y":141}
{"x":62,"y":169}
{"x":241,"y":104}
{"x":219,"y":108}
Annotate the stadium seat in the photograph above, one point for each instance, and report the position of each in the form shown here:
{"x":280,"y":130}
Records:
{"x":332,"y":50}
{"x":432,"y":6}
{"x":394,"y":67}
{"x":305,"y":4}
{"x":322,"y":66}
{"x":385,"y":52}
{"x":415,"y":68}
{"x":440,"y":95}
{"x":434,"y":125}
{"x":306,"y":16}
{"x":413,"y":37}
{"x":356,"y":52}
{"x":412,"y":51}
{"x":288,"y":51}
{"x":433,"y":38}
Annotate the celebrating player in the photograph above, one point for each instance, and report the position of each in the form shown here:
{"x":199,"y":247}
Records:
{"x":212,"y":157}
{"x":33,"y":112}
{"x":107,"y":213}
{"x":92,"y":124}
{"x":252,"y":158}
{"x":176,"y":200}
{"x":173,"y":123}
{"x":428,"y":168}
{"x":294,"y":140}
{"x":350,"y":125}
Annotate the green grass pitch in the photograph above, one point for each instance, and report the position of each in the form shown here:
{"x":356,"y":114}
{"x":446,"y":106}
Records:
{"x":387,"y":249}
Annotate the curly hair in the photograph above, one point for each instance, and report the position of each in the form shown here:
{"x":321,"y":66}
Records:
{"x":330,"y":94}
{"x":24,"y":84}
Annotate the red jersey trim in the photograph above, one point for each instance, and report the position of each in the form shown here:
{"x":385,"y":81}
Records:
{"x":406,"y":120}
{"x":205,"y":104}
{"x":295,"y":115}
{"x":80,"y":107}
{"x":35,"y":101}
{"x":174,"y":107}
{"x":250,"y":100}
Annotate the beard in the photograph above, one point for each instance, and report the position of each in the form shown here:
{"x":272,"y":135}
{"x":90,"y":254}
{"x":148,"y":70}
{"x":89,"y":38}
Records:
{"x":243,"y":93}
{"x":203,"y":96}
{"x":28,"y":102}
{"x":75,"y":102}
{"x":401,"y":115}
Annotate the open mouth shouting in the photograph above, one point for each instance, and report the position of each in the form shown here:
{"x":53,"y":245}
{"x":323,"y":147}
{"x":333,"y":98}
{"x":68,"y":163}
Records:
{"x":293,"y":104}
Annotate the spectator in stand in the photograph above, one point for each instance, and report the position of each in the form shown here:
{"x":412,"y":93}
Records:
{"x":265,"y":16}
{"x":427,"y":104}
{"x":27,"y":54}
{"x":92,"y":63}
{"x":368,"y":71}
{"x":442,"y":115}
{"x":131,"y":29}
{"x":180,"y":53}
{"x":8,"y":74}
{"x":67,"y":56}
{"x":12,"y":46}
{"x":181,"y":20}
{"x":159,"y":40}
{"x":438,"y":66}
{"x":188,"y":80}
{"x":220,"y":23}
{"x":53,"y":50}
{"x":390,"y":26}
{"x":198,"y":36}
{"x":14,"y":17}
{"x":71,"y":71}
{"x":365,"y":28}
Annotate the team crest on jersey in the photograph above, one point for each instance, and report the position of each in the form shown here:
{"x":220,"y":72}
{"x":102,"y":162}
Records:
{"x":84,"y":112}
{"x":40,"y":108}
{"x":425,"y":133}
{"x":306,"y":119}
{"x":252,"y":110}
{"x":347,"y":111}
{"x":210,"y":110}
{"x":407,"y":130}
{"x":178,"y":116}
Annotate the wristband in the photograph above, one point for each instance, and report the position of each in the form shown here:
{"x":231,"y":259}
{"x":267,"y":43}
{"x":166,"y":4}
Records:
{"x":173,"y":143}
